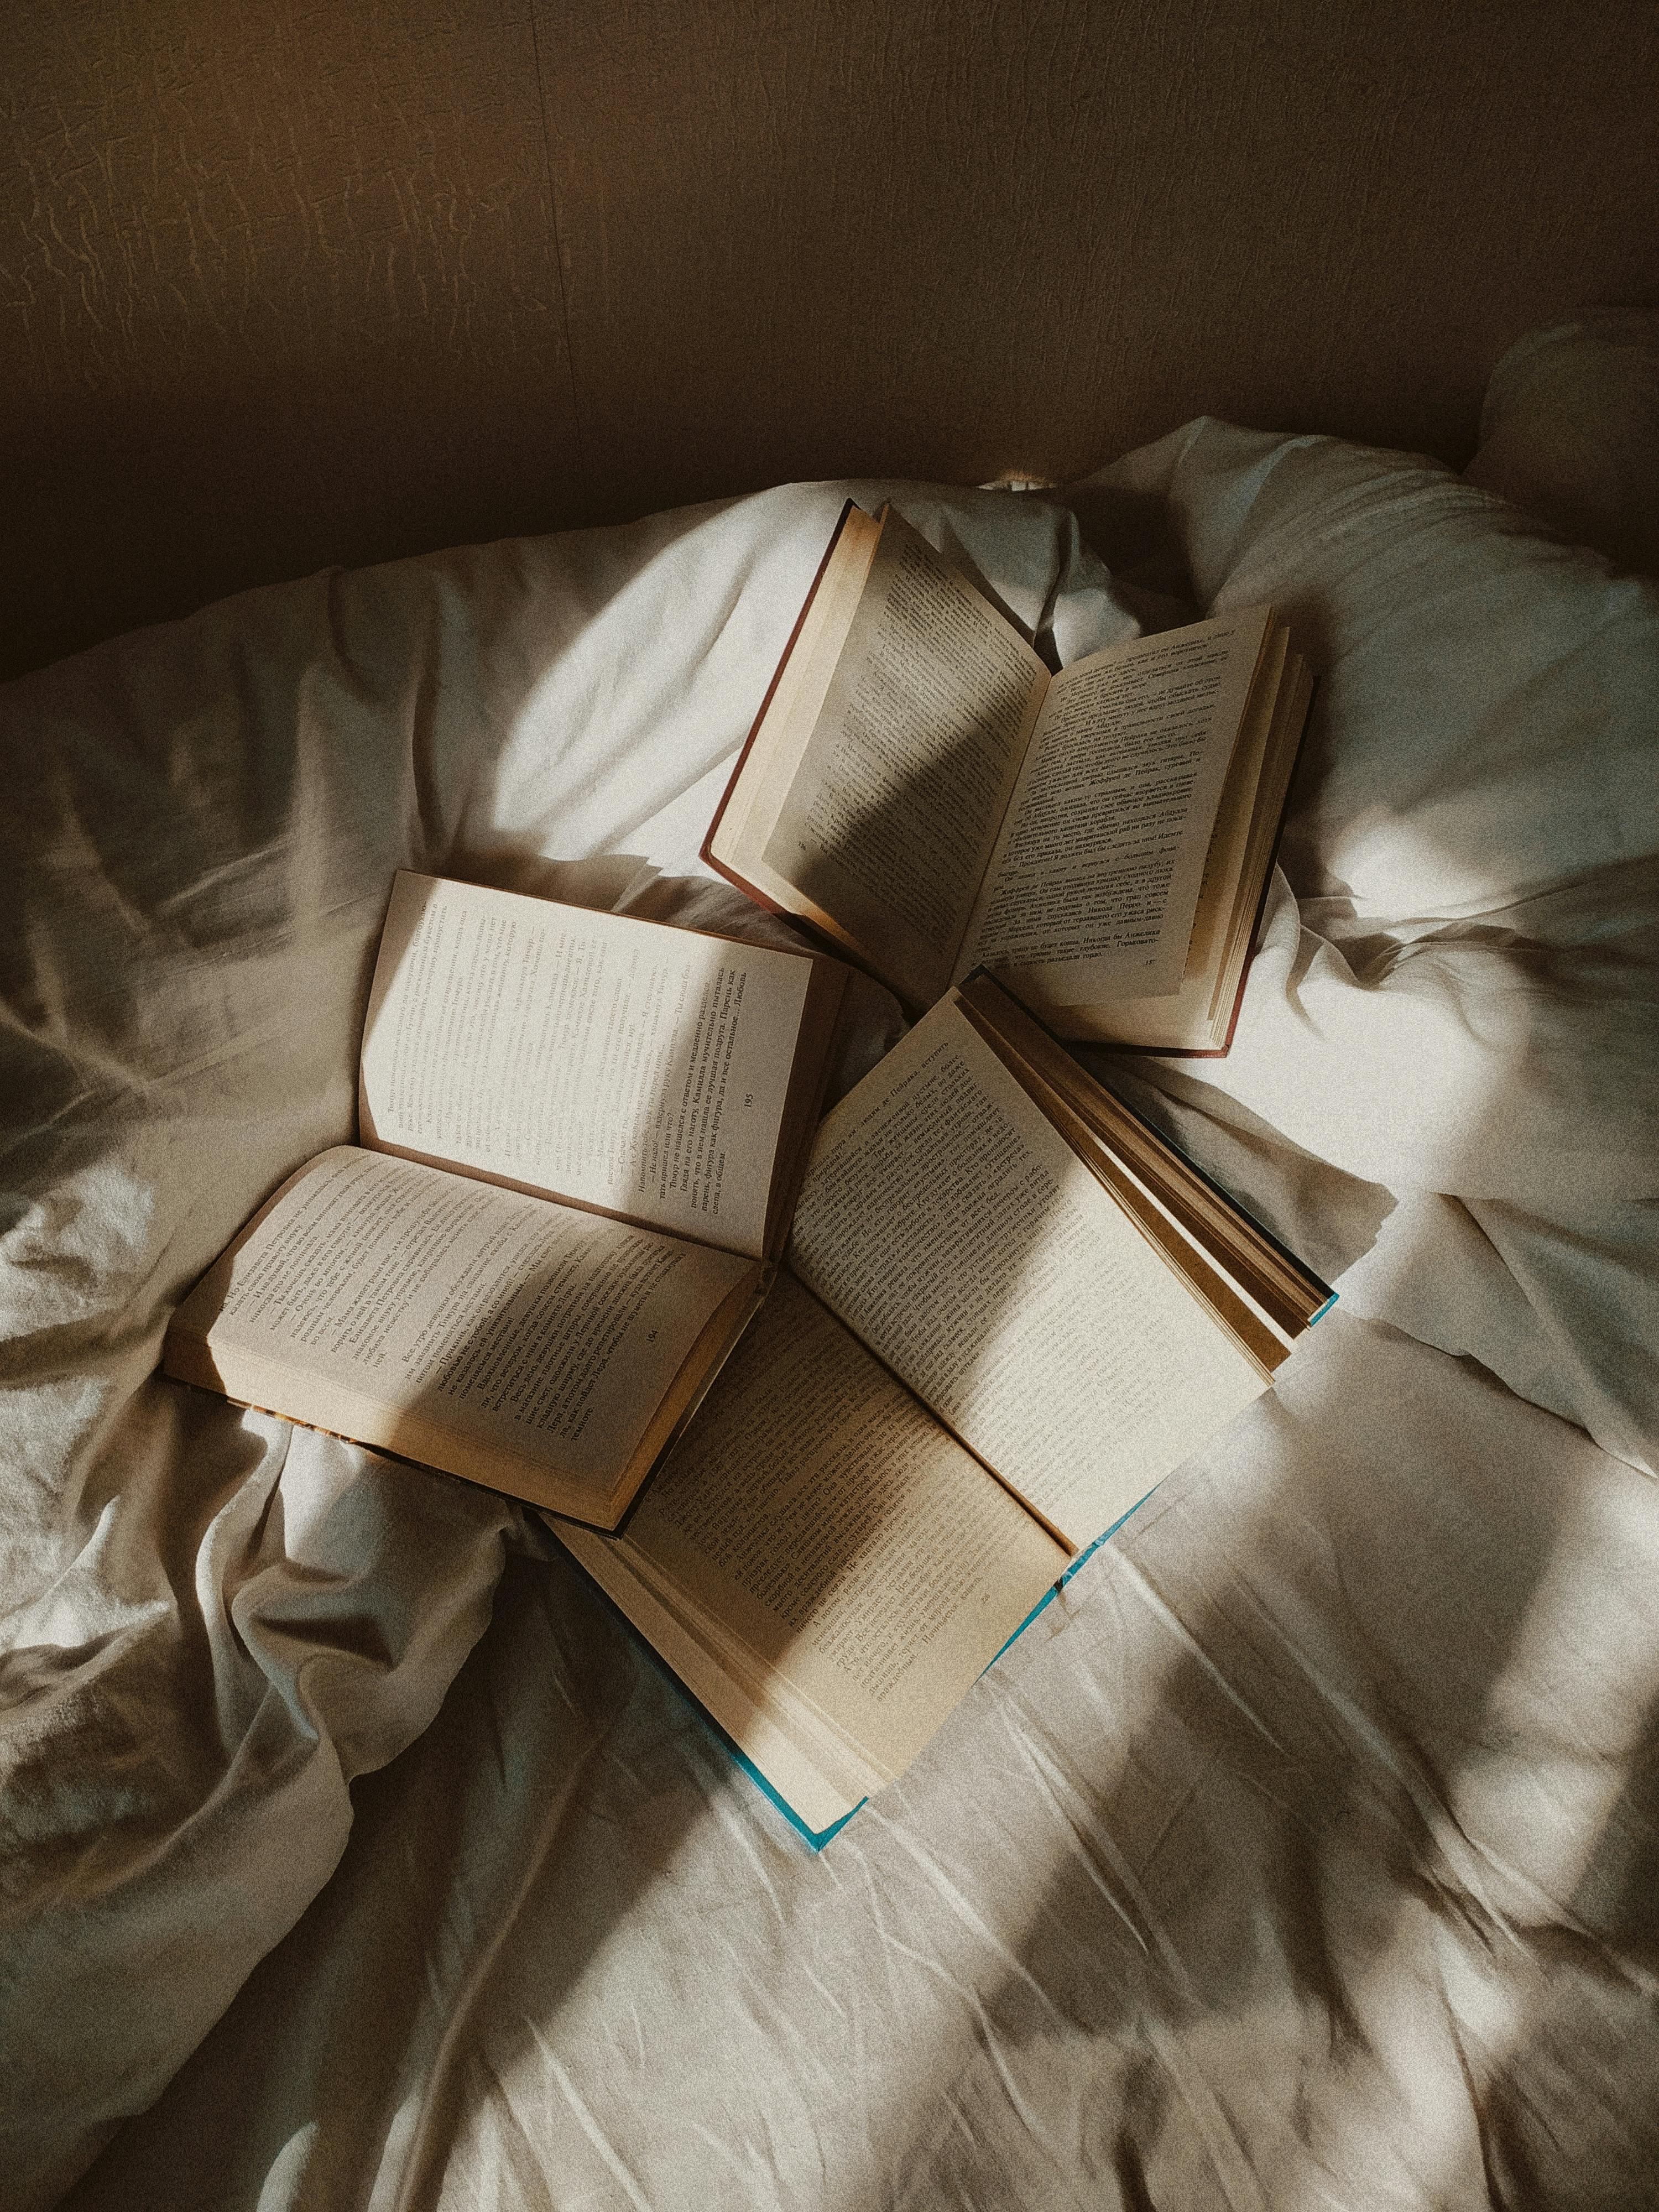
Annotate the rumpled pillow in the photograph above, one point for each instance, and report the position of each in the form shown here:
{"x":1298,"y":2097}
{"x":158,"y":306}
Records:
{"x":1569,"y":432}
{"x":1454,"y":1000}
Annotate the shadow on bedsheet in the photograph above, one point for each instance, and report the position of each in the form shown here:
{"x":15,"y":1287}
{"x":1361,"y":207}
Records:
{"x":1353,"y":1877}
{"x":1344,"y":1813}
{"x":398,"y":2000}
{"x":1362,"y":1910}
{"x":201,"y":829}
{"x":431,"y":797}
{"x":1350,"y":1879}
{"x":1325,"y":1871}
{"x":1350,"y":1870}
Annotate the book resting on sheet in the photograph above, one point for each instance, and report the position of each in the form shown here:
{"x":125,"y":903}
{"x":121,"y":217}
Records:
{"x":581,"y":1135}
{"x":923,"y":792}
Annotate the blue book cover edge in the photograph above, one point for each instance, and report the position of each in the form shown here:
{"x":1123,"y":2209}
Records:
{"x":817,"y":1837}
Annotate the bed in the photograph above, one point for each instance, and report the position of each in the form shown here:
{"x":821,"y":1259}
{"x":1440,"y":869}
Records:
{"x":1304,"y":1853}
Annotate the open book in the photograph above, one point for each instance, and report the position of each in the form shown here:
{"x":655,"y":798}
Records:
{"x":922,"y":792}
{"x":582,"y":1135}
{"x":1010,"y":1309}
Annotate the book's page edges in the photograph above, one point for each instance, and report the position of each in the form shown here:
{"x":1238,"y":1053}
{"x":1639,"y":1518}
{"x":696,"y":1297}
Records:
{"x":1226,"y":1302}
{"x":1183,"y":1024}
{"x":188,"y":1356}
{"x":1280,"y":749}
{"x":1305,"y":683}
{"x":1163,"y":1144}
{"x":1316,"y":1290}
{"x":817,"y":1837}
{"x":1216,"y":1285}
{"x":1122,"y":1437}
{"x":765,"y":1686}
{"x":709,"y":1347}
{"x":823,"y":1837}
{"x":803,"y":1103}
{"x":1038,"y":979}
{"x":1210,"y":1038}
{"x":1296,"y":698}
{"x":679,"y":1647}
{"x":828,"y":1714}
{"x":529,"y":1487}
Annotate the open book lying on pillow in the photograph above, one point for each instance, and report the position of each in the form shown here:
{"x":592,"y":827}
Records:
{"x":1011,"y":1309}
{"x":922,"y":791}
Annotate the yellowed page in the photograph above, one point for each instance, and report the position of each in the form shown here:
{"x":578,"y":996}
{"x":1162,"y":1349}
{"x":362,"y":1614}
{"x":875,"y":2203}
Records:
{"x":950,"y":1225}
{"x":900,"y":793}
{"x":590,"y":1057}
{"x":1199,"y":1015}
{"x":839,"y":1537}
{"x":1224,"y":857}
{"x":1259,"y":1268}
{"x":1092,"y":889}
{"x":750,"y":813}
{"x":440,"y":1316}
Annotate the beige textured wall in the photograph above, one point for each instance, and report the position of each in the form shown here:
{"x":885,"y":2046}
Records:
{"x":290,"y":283}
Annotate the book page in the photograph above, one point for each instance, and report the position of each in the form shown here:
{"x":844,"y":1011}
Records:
{"x":950,"y":1225}
{"x":402,"y":1305}
{"x":845,"y":1544}
{"x":1240,"y":1259}
{"x":902,"y":787}
{"x":1093,"y":887}
{"x":759,"y":789}
{"x":1199,"y":1014}
{"x":591,"y":1056}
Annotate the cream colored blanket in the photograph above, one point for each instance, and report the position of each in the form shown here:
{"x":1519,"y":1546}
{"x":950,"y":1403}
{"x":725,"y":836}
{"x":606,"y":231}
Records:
{"x":353,"y":1855}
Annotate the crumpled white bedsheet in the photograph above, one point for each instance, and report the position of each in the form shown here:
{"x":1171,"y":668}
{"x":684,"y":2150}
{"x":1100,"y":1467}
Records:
{"x":1303,"y":1854}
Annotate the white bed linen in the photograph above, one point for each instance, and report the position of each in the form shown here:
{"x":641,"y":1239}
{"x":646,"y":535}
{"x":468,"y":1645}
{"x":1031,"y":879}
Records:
{"x":1303,"y":1855}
